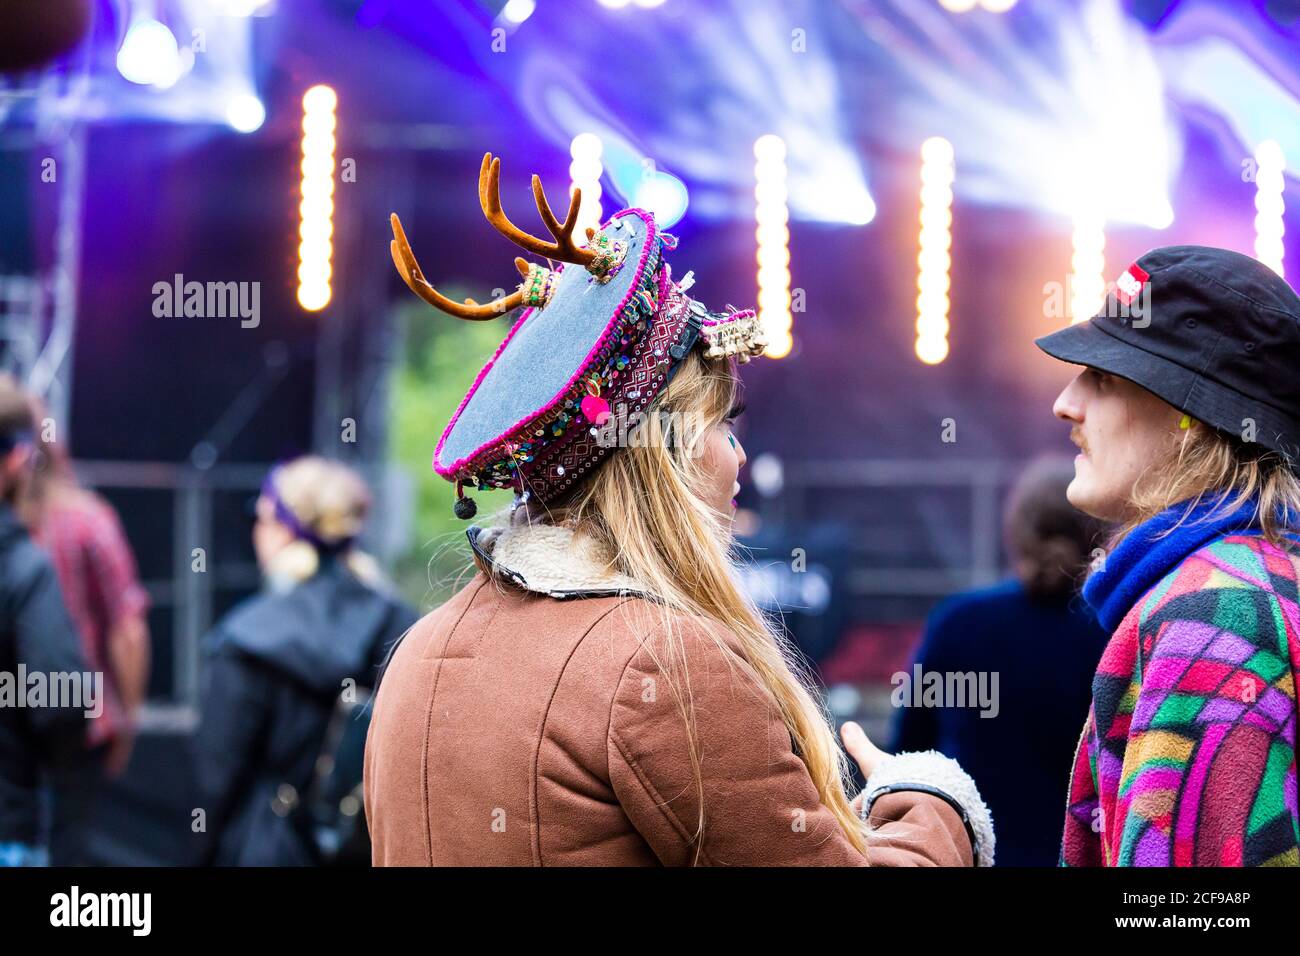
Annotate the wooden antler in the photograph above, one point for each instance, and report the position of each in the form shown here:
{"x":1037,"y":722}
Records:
{"x":563,"y":248}
{"x":409,"y":269}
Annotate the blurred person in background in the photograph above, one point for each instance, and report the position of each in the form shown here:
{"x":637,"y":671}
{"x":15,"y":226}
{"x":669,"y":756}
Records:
{"x":1043,"y":642}
{"x":42,"y":743}
{"x":101,"y":589}
{"x":275,"y":667}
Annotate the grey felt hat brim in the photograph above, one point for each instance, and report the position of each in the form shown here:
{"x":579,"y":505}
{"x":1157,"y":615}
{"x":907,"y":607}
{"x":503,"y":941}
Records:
{"x":1189,"y":391}
{"x":543,"y":354}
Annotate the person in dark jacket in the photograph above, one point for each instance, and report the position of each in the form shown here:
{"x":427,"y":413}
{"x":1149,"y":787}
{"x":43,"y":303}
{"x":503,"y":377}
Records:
{"x":92,"y":558}
{"x":1037,"y":636}
{"x":276,"y":666}
{"x":42,"y":731}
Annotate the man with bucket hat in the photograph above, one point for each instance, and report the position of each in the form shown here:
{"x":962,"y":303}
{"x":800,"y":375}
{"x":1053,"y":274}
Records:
{"x":1187,"y":416}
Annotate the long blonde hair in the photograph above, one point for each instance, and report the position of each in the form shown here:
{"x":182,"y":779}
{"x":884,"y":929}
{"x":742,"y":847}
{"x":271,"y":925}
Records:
{"x":643,"y":507}
{"x":332,"y":501}
{"x":1208,"y":466}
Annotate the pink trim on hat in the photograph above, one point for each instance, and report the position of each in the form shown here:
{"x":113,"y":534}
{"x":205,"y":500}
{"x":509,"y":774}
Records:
{"x":731,"y":317}
{"x":542,"y":486}
{"x":449,"y":471}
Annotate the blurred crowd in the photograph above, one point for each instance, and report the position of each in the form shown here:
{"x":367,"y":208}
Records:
{"x":286,"y":674}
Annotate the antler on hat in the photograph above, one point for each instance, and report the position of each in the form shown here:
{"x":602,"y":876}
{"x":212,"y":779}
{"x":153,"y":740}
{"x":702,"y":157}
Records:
{"x":601,"y":259}
{"x":409,"y":270}
{"x":598,"y":345}
{"x":563,"y":249}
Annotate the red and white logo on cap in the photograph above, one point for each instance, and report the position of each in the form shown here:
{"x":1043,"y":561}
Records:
{"x":1130,"y":283}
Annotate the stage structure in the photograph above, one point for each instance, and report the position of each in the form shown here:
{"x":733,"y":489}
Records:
{"x":42,"y":145}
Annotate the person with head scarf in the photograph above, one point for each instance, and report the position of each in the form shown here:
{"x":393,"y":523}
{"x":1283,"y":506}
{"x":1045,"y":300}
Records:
{"x":276,"y":666}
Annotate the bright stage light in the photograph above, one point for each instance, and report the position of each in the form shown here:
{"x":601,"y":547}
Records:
{"x":1269,"y":205}
{"x":769,"y":148}
{"x":1161,"y":216}
{"x":319,"y":100}
{"x":316,"y":211}
{"x":936,"y":153}
{"x":584,"y":173}
{"x":1022,"y":148}
{"x":934,"y":260}
{"x":1087,"y":265}
{"x":620,"y":4}
{"x":823,"y":184}
{"x":632,"y":174}
{"x":965,"y":6}
{"x":663,"y":195}
{"x":847,"y":200}
{"x":245,"y":112}
{"x":240,"y":8}
{"x":149,"y":54}
{"x":517,"y":11}
{"x":314,"y":296}
{"x":771,"y":214}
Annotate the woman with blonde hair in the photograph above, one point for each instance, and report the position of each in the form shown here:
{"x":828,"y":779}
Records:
{"x":276,"y":665}
{"x":1187,"y":417}
{"x":603,"y":692}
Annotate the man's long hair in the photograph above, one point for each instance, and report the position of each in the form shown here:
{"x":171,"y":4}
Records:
{"x":1209,"y":466}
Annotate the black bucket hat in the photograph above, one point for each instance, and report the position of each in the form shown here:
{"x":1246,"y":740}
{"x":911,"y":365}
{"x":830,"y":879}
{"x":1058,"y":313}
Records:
{"x":1214,"y":333}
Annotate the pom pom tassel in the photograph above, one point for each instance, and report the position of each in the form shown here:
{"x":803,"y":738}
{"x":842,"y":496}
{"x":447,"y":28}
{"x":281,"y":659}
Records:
{"x":464,"y":508}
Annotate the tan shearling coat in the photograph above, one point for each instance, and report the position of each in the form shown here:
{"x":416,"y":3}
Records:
{"x":526,"y":722}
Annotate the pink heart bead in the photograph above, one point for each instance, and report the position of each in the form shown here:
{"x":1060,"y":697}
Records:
{"x":595,"y":409}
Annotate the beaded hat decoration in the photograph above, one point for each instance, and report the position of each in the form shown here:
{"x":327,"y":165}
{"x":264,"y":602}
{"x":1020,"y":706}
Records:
{"x":593,"y":343}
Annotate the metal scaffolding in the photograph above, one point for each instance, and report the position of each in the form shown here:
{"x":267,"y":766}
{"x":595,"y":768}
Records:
{"x":41,"y":120}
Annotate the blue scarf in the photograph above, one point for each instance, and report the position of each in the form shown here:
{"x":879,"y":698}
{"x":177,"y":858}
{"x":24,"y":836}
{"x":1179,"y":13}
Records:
{"x":1142,"y":558}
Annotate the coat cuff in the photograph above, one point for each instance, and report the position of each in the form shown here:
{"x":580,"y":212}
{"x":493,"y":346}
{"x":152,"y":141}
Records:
{"x":931,"y":772}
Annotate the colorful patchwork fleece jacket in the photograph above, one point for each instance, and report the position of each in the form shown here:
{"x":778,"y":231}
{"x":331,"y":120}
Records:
{"x":1188,"y":755}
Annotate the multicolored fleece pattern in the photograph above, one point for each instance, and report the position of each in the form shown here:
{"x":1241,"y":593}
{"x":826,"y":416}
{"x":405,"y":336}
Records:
{"x":1188,"y":756}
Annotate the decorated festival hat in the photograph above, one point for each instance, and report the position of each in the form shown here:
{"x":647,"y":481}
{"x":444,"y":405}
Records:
{"x":602,"y":331}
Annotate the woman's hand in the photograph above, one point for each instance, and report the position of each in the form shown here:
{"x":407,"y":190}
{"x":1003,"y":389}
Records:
{"x":862,"y":750}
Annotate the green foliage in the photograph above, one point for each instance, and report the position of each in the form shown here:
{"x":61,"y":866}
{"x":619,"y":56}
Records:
{"x":441,"y":358}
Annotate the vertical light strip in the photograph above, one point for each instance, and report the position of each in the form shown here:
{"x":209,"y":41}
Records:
{"x":316,"y":211}
{"x":934,"y":262}
{"x":1269,"y":205}
{"x":584,"y":173}
{"x":772,"y":216}
{"x":1087,"y":265}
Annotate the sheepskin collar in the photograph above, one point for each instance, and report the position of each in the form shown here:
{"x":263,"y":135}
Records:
{"x":550,"y":560}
